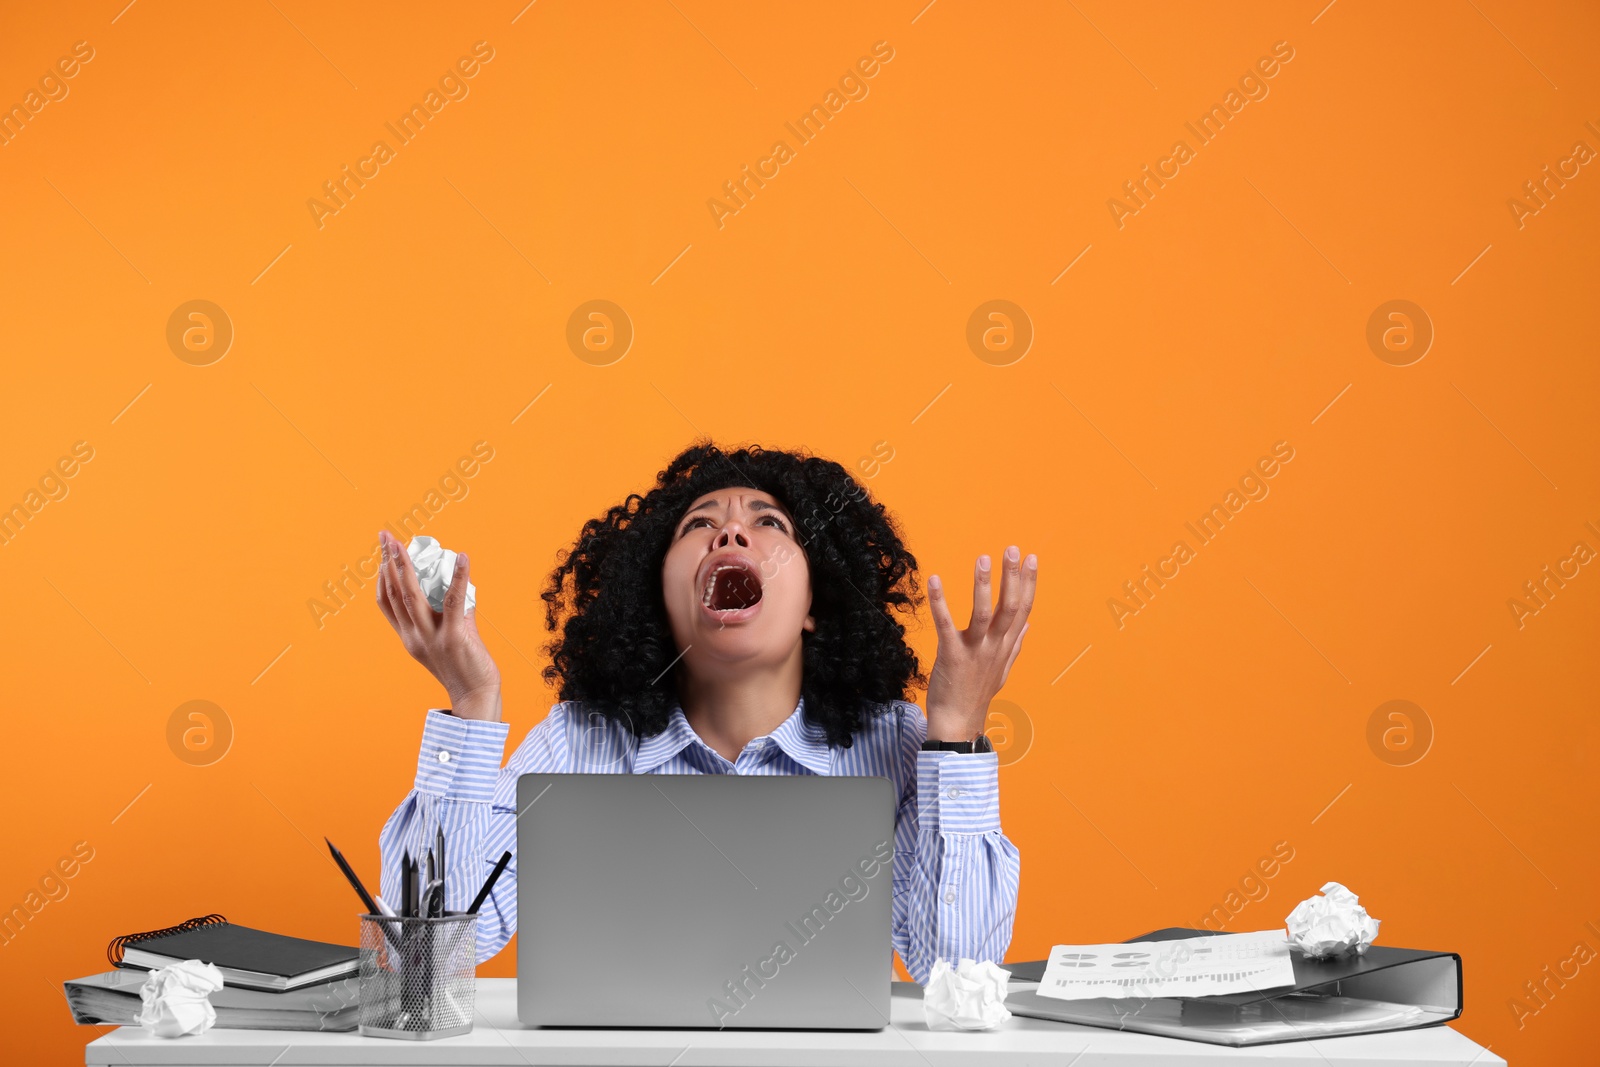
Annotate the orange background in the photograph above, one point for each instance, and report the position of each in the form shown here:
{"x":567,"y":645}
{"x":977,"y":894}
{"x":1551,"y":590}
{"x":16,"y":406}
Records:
{"x":1228,"y":715}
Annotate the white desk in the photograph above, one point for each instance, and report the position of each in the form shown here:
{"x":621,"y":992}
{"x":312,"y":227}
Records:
{"x":497,"y":1038}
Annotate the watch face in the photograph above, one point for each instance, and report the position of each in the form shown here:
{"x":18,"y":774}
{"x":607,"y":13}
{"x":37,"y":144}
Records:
{"x":982,"y":744}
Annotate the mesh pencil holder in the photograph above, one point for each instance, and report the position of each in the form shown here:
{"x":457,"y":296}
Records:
{"x":418,"y":976}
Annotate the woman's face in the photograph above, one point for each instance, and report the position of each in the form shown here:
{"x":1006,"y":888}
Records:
{"x":735,"y":581}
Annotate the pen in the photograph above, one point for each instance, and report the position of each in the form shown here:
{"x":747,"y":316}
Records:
{"x":432,"y":890}
{"x":416,"y":887}
{"x":439,"y":850}
{"x":494,"y":875}
{"x":355,"y":883}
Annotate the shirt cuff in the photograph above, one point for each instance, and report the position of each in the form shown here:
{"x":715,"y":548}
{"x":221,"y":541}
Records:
{"x":959,"y":793}
{"x":460,"y":758}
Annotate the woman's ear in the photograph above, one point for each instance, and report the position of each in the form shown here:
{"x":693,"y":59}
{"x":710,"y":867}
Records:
{"x":809,"y":624}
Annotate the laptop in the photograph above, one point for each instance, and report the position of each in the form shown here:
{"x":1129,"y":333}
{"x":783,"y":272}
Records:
{"x":714,"y":901}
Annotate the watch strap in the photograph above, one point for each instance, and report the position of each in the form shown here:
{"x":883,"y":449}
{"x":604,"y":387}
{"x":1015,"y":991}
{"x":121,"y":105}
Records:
{"x":980,"y":745}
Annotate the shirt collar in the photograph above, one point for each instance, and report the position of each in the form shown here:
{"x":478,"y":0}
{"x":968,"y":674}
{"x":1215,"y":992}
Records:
{"x":658,"y":749}
{"x":800,"y":740}
{"x":804,"y":742}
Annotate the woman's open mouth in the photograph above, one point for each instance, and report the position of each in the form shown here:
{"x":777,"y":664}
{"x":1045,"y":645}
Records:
{"x":731,"y":589}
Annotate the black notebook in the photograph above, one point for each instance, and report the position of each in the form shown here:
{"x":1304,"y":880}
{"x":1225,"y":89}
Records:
{"x":247,"y":958}
{"x":1386,"y":989}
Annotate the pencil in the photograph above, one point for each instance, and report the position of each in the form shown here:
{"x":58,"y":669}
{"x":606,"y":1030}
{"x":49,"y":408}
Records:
{"x":355,"y":883}
{"x":494,"y":876}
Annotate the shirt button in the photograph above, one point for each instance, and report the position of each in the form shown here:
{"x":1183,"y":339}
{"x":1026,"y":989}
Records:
{"x":444,"y":756}
{"x":953,"y":793}
{"x":950,"y":896}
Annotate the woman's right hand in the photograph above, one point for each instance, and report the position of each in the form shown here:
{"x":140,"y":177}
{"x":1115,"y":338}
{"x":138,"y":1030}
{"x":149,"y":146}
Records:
{"x":447,"y":643}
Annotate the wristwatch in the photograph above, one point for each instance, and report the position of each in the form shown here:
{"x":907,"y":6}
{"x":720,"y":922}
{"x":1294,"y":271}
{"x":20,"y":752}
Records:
{"x":980,"y":745}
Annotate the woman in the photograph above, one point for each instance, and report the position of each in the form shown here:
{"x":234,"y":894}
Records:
{"x":736,"y":619}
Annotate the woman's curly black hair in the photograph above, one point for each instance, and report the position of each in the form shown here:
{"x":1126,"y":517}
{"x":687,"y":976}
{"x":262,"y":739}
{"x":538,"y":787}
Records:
{"x":616,"y":645}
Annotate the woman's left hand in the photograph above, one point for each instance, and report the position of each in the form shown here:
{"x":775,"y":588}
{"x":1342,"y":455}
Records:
{"x":972,"y":664}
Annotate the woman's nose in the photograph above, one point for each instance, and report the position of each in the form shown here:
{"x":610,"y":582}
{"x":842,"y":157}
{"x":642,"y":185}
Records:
{"x":733,"y":533}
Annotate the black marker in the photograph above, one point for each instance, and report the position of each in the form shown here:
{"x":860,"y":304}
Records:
{"x":408,"y":886}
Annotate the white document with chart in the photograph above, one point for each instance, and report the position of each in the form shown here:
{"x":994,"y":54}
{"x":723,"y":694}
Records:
{"x":1192,"y":967}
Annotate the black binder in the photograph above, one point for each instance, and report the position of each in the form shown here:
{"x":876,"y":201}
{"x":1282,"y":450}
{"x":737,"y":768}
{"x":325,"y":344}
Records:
{"x":1386,"y":989}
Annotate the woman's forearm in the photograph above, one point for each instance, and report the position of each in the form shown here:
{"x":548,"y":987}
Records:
{"x":469,"y":837}
{"x":481,"y":704}
{"x":956,"y":874}
{"x":457,"y":782}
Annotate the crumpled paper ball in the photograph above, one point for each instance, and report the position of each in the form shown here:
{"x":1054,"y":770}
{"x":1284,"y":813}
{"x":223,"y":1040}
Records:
{"x":177,"y":999}
{"x":1332,"y":925}
{"x":970,"y":996}
{"x":435,"y":567}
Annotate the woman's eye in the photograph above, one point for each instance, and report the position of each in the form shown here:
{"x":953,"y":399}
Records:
{"x":779,"y":523}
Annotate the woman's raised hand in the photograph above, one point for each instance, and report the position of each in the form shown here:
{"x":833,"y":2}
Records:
{"x":972,"y":664}
{"x":447,"y":643}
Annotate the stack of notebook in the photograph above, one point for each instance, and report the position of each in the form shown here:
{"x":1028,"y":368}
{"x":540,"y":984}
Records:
{"x":270,"y":981}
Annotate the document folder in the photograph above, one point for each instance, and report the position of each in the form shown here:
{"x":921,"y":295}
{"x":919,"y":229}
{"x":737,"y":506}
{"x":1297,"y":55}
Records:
{"x":1385,"y":989}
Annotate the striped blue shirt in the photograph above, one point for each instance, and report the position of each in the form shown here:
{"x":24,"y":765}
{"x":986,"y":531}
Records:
{"x":955,"y":874}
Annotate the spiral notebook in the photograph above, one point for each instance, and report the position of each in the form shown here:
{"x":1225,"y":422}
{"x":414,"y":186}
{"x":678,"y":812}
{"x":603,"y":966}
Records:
{"x":248,"y":958}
